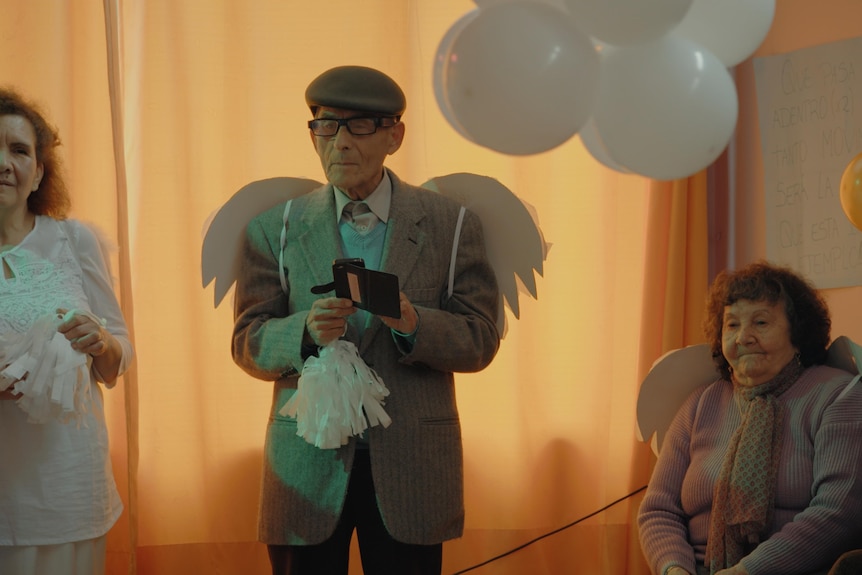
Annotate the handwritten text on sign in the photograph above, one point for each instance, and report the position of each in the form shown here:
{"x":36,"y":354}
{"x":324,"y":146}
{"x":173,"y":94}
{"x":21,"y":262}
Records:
{"x":810,"y":109}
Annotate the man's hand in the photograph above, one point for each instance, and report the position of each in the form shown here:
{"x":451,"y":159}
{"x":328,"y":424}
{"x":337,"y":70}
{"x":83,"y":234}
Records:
{"x":409,"y":320}
{"x":327,"y":320}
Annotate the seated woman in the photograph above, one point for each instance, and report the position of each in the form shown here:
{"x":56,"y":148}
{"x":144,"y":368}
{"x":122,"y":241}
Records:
{"x":761,"y":471}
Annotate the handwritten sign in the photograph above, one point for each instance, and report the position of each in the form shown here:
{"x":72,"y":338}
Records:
{"x":810,"y":109}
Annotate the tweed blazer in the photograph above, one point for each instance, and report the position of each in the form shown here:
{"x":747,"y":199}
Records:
{"x":417,"y":462}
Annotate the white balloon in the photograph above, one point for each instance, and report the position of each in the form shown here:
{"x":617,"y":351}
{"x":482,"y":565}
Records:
{"x":521,"y":78}
{"x":627,"y":22}
{"x":730,"y":29}
{"x":592,"y":141}
{"x":441,"y":60}
{"x":666,"y":109}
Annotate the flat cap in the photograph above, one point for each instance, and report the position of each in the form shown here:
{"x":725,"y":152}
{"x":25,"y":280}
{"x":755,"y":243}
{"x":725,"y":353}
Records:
{"x":356,"y":88}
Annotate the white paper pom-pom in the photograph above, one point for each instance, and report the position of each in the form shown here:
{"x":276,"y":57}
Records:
{"x":52,"y":378}
{"x":337,"y":396}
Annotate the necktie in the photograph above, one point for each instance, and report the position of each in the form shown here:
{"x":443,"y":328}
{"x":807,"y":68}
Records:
{"x":360,"y":217}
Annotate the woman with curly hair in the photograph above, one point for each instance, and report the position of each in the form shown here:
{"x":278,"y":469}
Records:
{"x":61,"y":333}
{"x":761,"y":471}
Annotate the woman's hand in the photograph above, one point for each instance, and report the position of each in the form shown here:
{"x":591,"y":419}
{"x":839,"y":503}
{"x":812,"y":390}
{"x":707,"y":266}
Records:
{"x":8,"y":393}
{"x":88,"y":336}
{"x":84,"y":333}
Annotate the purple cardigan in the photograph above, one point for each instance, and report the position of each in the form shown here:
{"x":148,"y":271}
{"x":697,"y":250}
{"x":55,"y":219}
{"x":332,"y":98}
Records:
{"x":818,"y":499}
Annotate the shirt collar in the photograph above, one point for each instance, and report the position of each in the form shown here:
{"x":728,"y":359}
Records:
{"x":378,"y":201}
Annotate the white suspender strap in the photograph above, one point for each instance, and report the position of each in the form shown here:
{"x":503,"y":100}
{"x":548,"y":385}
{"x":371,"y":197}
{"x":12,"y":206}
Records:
{"x":455,"y":241}
{"x":281,"y":251}
{"x":850,"y":385}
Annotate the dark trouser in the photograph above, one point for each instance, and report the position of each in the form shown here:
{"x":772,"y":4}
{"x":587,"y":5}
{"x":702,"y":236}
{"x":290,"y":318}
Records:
{"x":380,"y":553}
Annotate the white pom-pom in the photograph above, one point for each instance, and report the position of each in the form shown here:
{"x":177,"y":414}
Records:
{"x":52,"y":378}
{"x":338,"y":396}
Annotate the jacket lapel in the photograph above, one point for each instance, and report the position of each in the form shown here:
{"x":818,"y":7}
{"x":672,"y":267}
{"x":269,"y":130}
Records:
{"x":403,"y":244}
{"x":318,"y":235}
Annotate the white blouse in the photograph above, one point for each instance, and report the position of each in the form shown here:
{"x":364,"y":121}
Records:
{"x":56,"y":484}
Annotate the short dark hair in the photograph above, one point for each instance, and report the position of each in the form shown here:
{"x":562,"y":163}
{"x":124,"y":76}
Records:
{"x":52,"y":196}
{"x":807,"y":312}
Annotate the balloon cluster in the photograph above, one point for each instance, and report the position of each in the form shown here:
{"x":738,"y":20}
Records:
{"x":645,"y":84}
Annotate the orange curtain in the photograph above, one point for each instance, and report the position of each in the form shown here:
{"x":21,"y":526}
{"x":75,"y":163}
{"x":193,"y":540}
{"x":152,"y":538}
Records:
{"x":676,"y":277}
{"x":677,"y":267}
{"x":167,"y":108}
{"x":56,"y":53}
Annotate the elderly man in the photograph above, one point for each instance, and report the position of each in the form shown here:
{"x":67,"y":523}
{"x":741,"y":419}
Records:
{"x":399,"y":487}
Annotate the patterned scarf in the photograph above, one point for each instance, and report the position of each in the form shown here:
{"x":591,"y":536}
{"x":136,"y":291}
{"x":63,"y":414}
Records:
{"x":744,"y":492}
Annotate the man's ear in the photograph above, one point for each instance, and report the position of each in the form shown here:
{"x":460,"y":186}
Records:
{"x":396,"y":136}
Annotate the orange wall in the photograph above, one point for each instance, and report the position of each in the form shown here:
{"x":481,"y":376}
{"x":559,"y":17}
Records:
{"x":798,"y":24}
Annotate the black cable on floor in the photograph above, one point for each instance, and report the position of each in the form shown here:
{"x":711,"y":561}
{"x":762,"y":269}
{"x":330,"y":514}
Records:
{"x":563,"y":528}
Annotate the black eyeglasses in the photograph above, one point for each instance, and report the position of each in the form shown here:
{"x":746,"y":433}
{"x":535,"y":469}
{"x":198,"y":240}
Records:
{"x":358,"y":126}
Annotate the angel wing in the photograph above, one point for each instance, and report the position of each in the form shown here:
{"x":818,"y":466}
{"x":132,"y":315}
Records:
{"x":514,"y":242}
{"x":679,"y":372}
{"x":224,"y":230}
{"x":513,"y":239}
{"x":672,"y":378}
{"x":845,"y":354}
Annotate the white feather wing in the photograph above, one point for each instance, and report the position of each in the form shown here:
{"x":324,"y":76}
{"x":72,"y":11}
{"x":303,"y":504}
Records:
{"x":223,"y":232}
{"x":672,"y":378}
{"x":513,"y":239}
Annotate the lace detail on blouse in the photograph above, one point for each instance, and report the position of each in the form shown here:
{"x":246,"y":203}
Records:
{"x":38,"y":286}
